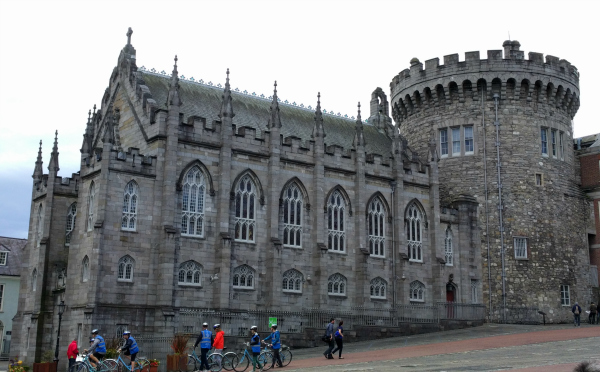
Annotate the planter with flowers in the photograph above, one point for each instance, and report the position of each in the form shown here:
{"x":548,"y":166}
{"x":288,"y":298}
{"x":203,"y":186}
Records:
{"x":153,"y":366}
{"x":178,"y":360}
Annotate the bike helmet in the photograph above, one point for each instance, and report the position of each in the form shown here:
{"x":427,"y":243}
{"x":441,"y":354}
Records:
{"x":204,"y":324}
{"x":126,"y":333}
{"x":216,"y":326}
{"x":92,"y":340}
{"x":274,"y":326}
{"x":254,"y":328}
{"x":95,"y":332}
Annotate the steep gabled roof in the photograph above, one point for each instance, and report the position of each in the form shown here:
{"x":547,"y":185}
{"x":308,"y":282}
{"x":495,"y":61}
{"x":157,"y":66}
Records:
{"x":15,"y":249}
{"x":253,"y":111}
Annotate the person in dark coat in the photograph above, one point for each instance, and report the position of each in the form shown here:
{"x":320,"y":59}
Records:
{"x":576,"y":310}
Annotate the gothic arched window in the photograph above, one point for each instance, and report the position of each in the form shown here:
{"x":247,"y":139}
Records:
{"x":85,"y":269}
{"x":336,"y":206}
{"x":414,"y":234}
{"x":40,"y":225}
{"x":192,"y":206}
{"x":449,"y":254}
{"x":91,"y":201}
{"x":70,"y":223}
{"x":376,"y":226}
{"x":243,"y":277}
{"x":245,"y":210}
{"x":292,"y":281}
{"x":336,"y":285}
{"x":292,"y":216}
{"x":126,"y":269}
{"x":417,"y":291}
{"x":190,"y":273}
{"x":130,"y":201}
{"x":378,"y":288}
{"x":34,"y":280}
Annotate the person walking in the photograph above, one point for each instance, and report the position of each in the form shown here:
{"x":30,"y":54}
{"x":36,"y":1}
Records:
{"x":130,"y":348}
{"x":329,"y":339}
{"x":219,"y":343}
{"x":339,"y":339}
{"x":576,"y":310}
{"x":276,"y":345}
{"x":255,"y":344}
{"x":205,"y":340}
{"x":593,"y":310}
{"x":72,"y":352}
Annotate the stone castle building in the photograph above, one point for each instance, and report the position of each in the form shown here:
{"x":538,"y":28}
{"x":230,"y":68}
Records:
{"x":197,"y":196}
{"x":504,"y":132}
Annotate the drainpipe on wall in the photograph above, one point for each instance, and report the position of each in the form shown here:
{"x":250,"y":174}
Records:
{"x":500,"y":207}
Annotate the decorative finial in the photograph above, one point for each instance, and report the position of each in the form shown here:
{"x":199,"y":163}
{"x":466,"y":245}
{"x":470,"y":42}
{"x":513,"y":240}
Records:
{"x":227,"y":78}
{"x":129,"y":32}
{"x":275,"y":87}
{"x":274,"y":119}
{"x":359,"y":110}
{"x":226,"y":106}
{"x":89,"y":115}
{"x":40,"y":150}
{"x":94,"y":109}
{"x":56,"y":136}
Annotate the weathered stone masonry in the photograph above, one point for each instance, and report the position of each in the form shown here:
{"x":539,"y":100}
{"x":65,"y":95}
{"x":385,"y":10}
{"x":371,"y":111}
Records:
{"x":542,"y":199}
{"x":152,"y":130}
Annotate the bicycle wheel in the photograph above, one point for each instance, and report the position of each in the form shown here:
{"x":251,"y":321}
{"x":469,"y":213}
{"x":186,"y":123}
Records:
{"x":229,"y":361}
{"x":214,"y":362}
{"x":109,"y":365}
{"x":242,"y":363}
{"x":266,"y":360}
{"x":79,"y":367}
{"x":286,"y":357}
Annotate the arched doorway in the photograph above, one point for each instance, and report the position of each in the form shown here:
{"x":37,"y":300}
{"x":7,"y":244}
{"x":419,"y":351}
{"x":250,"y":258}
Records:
{"x":451,"y":297}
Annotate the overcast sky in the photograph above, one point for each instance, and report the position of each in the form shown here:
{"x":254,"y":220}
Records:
{"x":56,"y":58}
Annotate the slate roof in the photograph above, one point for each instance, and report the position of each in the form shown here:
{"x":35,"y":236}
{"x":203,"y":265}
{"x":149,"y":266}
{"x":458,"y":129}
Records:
{"x":15,"y":249}
{"x":253,"y":111}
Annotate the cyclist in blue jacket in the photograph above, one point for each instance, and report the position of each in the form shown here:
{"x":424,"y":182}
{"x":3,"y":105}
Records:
{"x":205,"y":340}
{"x":255,"y":344}
{"x":130,"y":348}
{"x":275,"y":344}
{"x":97,"y":348}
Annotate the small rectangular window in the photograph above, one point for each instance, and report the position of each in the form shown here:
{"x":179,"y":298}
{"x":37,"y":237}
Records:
{"x":538,"y":179}
{"x":444,"y":142}
{"x":455,"y":141}
{"x":469,"y":140}
{"x":520,"y":247}
{"x":544,"y":134}
{"x":554,"y":150}
{"x":562,"y":147}
{"x":3,"y":256}
{"x":565,"y":295}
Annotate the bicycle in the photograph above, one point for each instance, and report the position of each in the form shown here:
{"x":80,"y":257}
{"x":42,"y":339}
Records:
{"x":123,"y":366}
{"x":284,"y":353}
{"x":213,"y":362}
{"x":240,"y":364}
{"x":107,"y":365}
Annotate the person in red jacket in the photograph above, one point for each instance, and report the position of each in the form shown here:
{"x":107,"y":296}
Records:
{"x":219,"y":343}
{"x":72,"y":353}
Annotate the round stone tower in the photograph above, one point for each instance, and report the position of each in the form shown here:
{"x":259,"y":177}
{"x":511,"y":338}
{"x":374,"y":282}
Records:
{"x":504,"y":134}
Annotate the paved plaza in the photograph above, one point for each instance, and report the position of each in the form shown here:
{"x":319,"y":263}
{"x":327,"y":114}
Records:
{"x":492,"y":347}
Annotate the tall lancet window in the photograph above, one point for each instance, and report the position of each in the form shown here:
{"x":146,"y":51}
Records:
{"x":91,"y":205}
{"x":292,"y":217}
{"x":449,"y":254}
{"x":192,"y":206}
{"x":414,"y":234}
{"x":336,"y":241}
{"x":34,"y":280}
{"x":376,"y":225}
{"x":39,"y":230}
{"x":70,"y":223}
{"x":85,"y":269}
{"x":130,"y":202}
{"x":245,"y":210}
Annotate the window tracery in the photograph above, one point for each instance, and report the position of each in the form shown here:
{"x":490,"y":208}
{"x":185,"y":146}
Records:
{"x":130,"y":200}
{"x":192,"y":209}
{"x":336,"y":206}
{"x":245,"y":210}
{"x":376,"y":226}
{"x":292,"y":216}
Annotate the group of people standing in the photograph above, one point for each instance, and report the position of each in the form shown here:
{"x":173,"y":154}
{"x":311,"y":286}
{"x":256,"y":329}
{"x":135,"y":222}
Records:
{"x":331,"y":336}
{"x":592,"y":316}
{"x":207,"y":341}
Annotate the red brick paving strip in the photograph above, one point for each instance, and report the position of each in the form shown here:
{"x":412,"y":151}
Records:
{"x":483,"y":343}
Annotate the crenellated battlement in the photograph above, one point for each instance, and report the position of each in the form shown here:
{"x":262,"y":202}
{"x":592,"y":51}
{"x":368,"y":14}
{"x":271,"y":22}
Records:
{"x":131,"y":161}
{"x":532,"y":81}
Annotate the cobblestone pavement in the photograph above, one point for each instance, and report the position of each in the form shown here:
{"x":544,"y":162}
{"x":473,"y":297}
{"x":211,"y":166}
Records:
{"x":490,"y":347}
